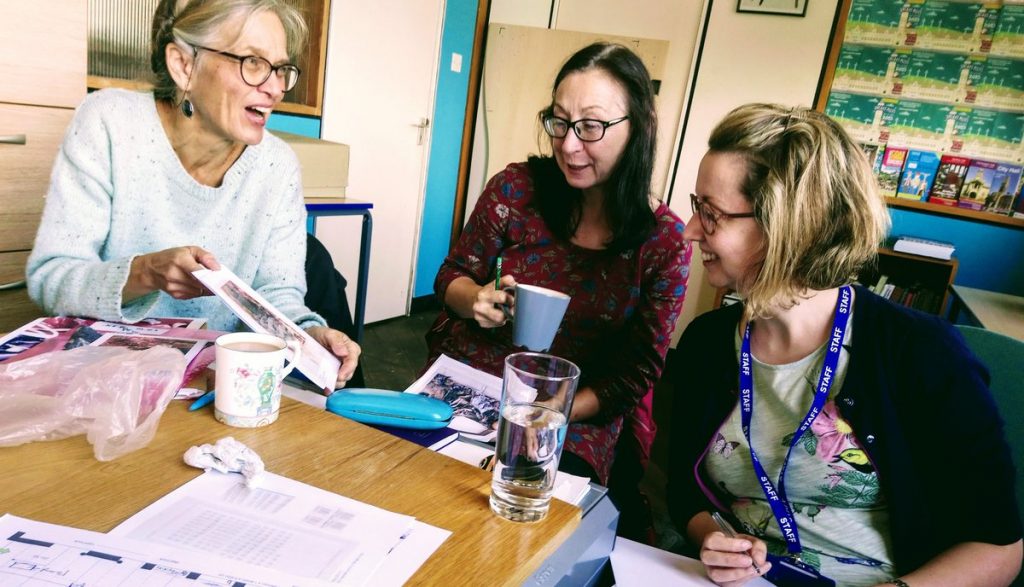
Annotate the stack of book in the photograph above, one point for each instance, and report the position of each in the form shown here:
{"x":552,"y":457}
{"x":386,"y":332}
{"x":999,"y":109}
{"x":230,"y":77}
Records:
{"x":926,"y":248}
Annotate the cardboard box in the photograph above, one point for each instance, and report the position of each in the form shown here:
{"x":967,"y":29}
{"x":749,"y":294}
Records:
{"x":324,"y":165}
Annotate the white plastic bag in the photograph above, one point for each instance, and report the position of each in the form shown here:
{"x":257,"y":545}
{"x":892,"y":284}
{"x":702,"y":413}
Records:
{"x":113,"y":395}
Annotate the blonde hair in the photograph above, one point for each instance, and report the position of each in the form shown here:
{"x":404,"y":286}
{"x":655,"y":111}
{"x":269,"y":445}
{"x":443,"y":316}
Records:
{"x":814,"y":196}
{"x":201,"y":22}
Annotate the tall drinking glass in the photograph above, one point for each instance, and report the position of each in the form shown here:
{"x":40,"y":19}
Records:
{"x":536,"y":398}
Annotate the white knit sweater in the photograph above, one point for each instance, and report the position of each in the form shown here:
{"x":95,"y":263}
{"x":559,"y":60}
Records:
{"x":118,"y":190}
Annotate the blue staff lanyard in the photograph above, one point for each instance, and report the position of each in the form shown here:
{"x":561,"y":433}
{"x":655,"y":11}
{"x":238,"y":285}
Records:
{"x":777,"y":501}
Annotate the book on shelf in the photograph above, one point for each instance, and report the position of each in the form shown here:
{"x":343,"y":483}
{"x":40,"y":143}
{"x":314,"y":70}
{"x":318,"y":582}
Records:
{"x":949,"y":178}
{"x":890,"y":170}
{"x":882,"y":279}
{"x":897,"y":293}
{"x":924,"y":247}
{"x":1005,"y":182}
{"x":435,"y":439}
{"x":873,"y":152}
{"x":918,"y":175}
{"x":977,"y":184}
{"x":887,"y":290}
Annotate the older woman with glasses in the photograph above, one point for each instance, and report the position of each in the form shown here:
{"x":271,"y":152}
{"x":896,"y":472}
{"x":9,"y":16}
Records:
{"x":149,"y":187}
{"x":582,"y":222}
{"x":852,"y":441}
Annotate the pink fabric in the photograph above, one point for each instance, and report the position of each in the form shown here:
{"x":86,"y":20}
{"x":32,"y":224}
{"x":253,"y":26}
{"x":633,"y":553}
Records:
{"x":617,"y":327}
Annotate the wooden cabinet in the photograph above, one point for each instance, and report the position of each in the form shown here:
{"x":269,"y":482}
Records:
{"x":42,"y":63}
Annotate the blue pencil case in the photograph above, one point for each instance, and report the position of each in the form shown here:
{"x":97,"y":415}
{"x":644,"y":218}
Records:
{"x":390,"y":408}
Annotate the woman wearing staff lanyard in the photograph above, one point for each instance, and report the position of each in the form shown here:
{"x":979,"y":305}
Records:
{"x":849,"y":439}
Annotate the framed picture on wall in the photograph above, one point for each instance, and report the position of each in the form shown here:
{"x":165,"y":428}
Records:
{"x":784,"y":7}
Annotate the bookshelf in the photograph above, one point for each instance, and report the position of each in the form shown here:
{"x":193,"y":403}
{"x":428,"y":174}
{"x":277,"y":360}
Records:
{"x":930,"y":279}
{"x":964,"y":213}
{"x":904,"y":74}
{"x":922,"y":282}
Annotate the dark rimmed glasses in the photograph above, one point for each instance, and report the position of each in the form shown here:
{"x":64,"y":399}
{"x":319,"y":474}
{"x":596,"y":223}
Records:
{"x":588,"y":130}
{"x":256,"y":70}
{"x":711,"y":216}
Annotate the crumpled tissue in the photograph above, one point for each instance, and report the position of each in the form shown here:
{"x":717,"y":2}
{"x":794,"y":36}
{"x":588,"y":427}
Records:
{"x":228,"y":456}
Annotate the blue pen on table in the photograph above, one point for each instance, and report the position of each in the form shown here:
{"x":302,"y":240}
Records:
{"x":729,"y":532}
{"x":202,"y":402}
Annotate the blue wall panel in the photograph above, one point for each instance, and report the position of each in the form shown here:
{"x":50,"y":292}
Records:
{"x":991,"y":256}
{"x":445,"y":143}
{"x":297,"y":125}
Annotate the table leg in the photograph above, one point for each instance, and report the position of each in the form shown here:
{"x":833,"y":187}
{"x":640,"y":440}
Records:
{"x":364,"y":271}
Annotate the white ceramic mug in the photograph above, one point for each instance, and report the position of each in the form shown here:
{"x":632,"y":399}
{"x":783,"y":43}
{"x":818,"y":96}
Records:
{"x":250,"y":369}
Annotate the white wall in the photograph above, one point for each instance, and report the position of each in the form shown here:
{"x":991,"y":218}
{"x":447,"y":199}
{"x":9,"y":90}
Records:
{"x":747,"y":58}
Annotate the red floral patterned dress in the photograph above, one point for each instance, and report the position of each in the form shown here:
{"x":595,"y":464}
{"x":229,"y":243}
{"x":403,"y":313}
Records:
{"x":617,"y":327}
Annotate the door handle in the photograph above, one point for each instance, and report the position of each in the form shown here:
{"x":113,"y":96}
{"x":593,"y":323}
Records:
{"x":422,"y":126}
{"x":12,"y":139}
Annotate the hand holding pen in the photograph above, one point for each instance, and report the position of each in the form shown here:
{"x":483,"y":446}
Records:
{"x":493,"y":303}
{"x":730,"y":558}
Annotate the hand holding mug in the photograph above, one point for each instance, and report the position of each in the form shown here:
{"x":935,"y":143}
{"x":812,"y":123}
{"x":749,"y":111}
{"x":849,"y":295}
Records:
{"x":493,"y":305}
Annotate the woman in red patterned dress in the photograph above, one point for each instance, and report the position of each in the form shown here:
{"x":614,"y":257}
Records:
{"x":582,"y":222}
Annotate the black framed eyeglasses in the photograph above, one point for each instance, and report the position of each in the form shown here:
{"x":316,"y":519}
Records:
{"x":711,"y":216}
{"x":588,"y":130}
{"x":256,"y":70}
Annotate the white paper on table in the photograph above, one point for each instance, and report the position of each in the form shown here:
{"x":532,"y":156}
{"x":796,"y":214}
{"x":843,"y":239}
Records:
{"x":639,"y":565}
{"x":39,"y":554}
{"x":473,"y":394}
{"x":568,"y":488}
{"x":316,"y":362}
{"x":284,"y":524}
{"x":421,"y":541}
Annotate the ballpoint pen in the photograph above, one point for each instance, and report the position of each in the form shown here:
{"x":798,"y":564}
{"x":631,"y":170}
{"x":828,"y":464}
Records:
{"x":203,"y":401}
{"x":729,"y":532}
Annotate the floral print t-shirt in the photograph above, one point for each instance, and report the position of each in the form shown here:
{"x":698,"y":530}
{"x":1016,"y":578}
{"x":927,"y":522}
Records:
{"x":841,"y":516}
{"x":619,"y":323}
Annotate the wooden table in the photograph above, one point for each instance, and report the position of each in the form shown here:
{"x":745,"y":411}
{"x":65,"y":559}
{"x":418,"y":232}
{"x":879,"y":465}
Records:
{"x":998,"y":312}
{"x":62,"y":483}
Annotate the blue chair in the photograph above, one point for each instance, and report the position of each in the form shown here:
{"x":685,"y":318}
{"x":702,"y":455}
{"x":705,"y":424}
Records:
{"x":1004,"y":357}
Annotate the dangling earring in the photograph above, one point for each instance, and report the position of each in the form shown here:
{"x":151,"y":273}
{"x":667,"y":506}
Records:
{"x":186,"y":108}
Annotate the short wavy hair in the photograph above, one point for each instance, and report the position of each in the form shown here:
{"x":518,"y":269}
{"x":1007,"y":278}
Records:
{"x":814,"y":196}
{"x":200,"y":22}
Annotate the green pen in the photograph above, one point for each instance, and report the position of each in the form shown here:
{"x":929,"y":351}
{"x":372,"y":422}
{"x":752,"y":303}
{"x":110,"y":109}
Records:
{"x":497,"y":274}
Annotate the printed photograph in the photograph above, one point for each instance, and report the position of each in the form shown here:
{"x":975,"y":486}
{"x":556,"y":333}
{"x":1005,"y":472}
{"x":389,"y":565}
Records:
{"x":315,"y":362}
{"x":464,"y":400}
{"x":260,"y":313}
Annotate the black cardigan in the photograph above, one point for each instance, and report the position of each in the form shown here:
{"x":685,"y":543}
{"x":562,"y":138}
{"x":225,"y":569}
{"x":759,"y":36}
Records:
{"x":917,"y":399}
